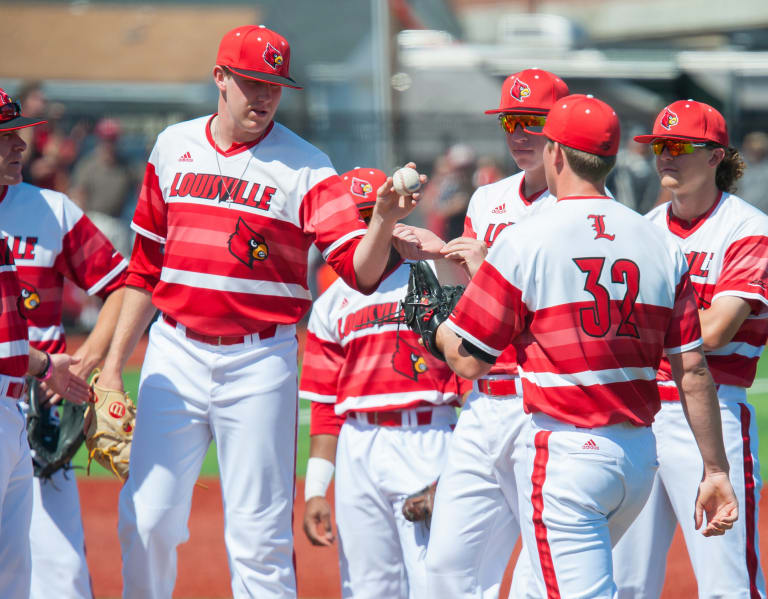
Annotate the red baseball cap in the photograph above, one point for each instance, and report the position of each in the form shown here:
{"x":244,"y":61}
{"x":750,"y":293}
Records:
{"x":255,"y":52}
{"x":531,"y":91}
{"x":688,"y":120}
{"x":362,"y":183}
{"x":583,"y":123}
{"x":10,"y":115}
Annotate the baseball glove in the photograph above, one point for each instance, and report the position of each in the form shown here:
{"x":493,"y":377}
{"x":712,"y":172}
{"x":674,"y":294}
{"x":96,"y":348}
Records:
{"x":427,"y":304}
{"x":55,"y":433}
{"x":109,"y":423}
{"x":418,"y":507}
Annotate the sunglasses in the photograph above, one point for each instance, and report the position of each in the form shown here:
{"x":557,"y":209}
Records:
{"x":508,"y":122}
{"x":675,"y":147}
{"x":9,"y":111}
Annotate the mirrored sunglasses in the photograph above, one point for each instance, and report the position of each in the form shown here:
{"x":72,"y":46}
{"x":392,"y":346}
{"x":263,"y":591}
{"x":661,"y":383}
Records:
{"x":675,"y":147}
{"x":508,"y":122}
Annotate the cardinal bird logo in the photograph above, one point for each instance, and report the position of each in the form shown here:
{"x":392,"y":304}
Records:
{"x":28,"y":300}
{"x":273,"y":57}
{"x":408,"y":361}
{"x":361,"y":187}
{"x":247,"y":245}
{"x":519,"y":90}
{"x":669,"y":119}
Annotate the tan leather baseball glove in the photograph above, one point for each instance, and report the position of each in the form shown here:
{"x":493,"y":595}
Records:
{"x":109,"y":423}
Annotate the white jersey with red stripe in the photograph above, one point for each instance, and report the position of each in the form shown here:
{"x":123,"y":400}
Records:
{"x":262,"y":205}
{"x":14,"y":346}
{"x":360,"y":365}
{"x":492,"y":209}
{"x":591,"y":296}
{"x":51,"y":239}
{"x":727,"y":252}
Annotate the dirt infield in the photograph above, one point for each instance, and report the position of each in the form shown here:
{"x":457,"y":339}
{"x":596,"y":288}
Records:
{"x":203,"y":570}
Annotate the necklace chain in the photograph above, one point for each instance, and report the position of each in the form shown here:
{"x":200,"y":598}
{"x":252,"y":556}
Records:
{"x":227,"y":190}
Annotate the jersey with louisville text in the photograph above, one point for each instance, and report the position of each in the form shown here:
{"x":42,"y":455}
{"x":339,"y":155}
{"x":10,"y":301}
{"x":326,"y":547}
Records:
{"x":357,"y":364}
{"x":236,"y":226}
{"x":493,"y":208}
{"x":51,"y":239}
{"x":591,"y":296}
{"x":14,"y":347}
{"x":727,"y":253}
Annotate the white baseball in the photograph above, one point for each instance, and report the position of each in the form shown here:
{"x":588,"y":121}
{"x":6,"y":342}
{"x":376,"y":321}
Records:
{"x":406,"y":181}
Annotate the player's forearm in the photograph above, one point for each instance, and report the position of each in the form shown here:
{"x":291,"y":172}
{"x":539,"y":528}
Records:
{"x":135,"y":314}
{"x":457,"y":357}
{"x":323,"y":446}
{"x":373,"y":251}
{"x":722,"y":320}
{"x":37,"y":361}
{"x":701,"y":407}
{"x":95,"y":347}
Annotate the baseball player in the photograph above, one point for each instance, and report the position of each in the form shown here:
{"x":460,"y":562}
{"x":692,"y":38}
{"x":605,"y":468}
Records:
{"x":390,"y":407}
{"x":59,"y":242}
{"x":229,"y":207}
{"x":590,"y":295}
{"x":725,"y":241}
{"x":478,"y":557}
{"x":17,"y":358}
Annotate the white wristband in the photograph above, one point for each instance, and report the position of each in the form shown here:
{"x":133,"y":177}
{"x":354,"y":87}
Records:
{"x":319,"y":474}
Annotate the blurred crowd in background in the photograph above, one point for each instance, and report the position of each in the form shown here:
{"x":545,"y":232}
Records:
{"x":100,"y":169}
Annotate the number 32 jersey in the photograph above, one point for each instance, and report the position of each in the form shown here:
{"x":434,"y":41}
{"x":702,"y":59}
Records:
{"x":590,"y":294}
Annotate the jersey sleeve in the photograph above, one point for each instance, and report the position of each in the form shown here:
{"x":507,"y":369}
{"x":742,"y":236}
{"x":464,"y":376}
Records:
{"x":745,"y":273}
{"x":491,"y":312}
{"x":87,"y":257}
{"x":14,"y":346}
{"x":323,"y":357}
{"x":323,"y":420}
{"x":146,"y":263}
{"x":469,"y":226}
{"x":149,"y":220}
{"x":684,"y":330}
{"x":329,"y":215}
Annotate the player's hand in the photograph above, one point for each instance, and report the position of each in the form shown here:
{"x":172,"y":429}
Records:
{"x":415,"y":243}
{"x":467,"y":251}
{"x":717,"y":500}
{"x":317,"y":521}
{"x":64,"y":382}
{"x":392,"y":207}
{"x":111,"y":380}
{"x":81,"y":367}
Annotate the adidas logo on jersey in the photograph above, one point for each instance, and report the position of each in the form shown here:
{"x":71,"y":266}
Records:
{"x":344,"y":302}
{"x":186,"y":157}
{"x":500,"y":209}
{"x":590,"y":445}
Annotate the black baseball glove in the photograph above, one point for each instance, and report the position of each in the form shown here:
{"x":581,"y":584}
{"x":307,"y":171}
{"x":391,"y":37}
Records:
{"x":55,"y":433}
{"x":427,"y":304}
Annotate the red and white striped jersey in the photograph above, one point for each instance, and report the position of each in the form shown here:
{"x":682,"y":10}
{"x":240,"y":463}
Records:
{"x":493,"y":208}
{"x":237,"y":225}
{"x":727,"y":252}
{"x":14,"y":347}
{"x":361,"y":366}
{"x":50,"y":239}
{"x":591,"y":296}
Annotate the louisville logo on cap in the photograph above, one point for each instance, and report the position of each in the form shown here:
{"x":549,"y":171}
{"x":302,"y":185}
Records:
{"x":519,"y":90}
{"x":273,"y":57}
{"x":361,"y":187}
{"x":669,"y":119}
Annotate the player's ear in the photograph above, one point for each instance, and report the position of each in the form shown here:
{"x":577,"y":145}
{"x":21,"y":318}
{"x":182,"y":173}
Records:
{"x":220,"y":75}
{"x":717,"y":156}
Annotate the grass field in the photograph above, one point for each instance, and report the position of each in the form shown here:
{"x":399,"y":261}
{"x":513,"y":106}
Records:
{"x":758,"y":395}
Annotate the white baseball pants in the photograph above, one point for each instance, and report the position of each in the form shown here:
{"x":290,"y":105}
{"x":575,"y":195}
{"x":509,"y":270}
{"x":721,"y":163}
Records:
{"x":15,"y":502}
{"x":584,"y":488}
{"x":377,"y":467}
{"x":245,"y":398}
{"x":726,"y":567}
{"x":57,"y":539}
{"x":475,"y":524}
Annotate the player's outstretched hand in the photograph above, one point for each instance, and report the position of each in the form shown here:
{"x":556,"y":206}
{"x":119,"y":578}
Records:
{"x":415,"y":243}
{"x":392,"y":207}
{"x":317,"y":521}
{"x":64,"y":382}
{"x":467,"y":251}
{"x":717,"y":500}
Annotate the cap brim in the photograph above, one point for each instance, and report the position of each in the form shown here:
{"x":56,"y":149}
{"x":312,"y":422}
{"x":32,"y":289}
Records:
{"x":367,"y":205}
{"x":534,"y":130}
{"x":20,"y":122}
{"x":646,"y":139}
{"x":518,"y":111}
{"x":266,"y":77}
